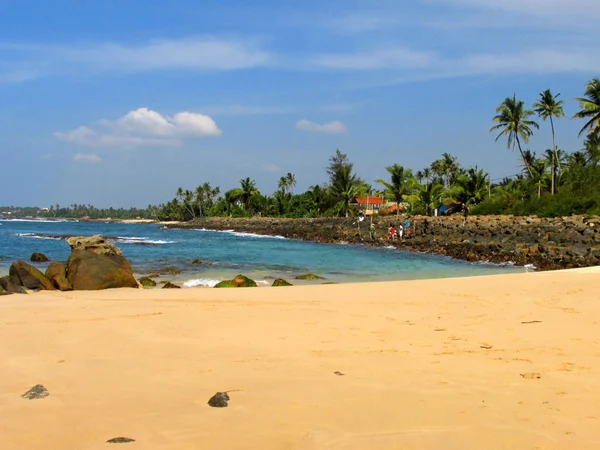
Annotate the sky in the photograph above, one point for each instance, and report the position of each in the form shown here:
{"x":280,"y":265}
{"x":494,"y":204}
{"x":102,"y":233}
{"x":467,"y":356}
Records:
{"x":119,"y":103}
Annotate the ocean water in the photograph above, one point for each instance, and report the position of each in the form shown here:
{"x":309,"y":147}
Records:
{"x":151,"y":247}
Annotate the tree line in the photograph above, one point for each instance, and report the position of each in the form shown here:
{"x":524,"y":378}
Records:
{"x":555,"y":183}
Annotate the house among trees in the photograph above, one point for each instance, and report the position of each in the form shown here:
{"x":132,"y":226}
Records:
{"x":369,"y":205}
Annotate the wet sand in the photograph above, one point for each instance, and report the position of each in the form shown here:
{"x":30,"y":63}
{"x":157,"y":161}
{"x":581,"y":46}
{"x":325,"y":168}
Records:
{"x":428,"y":364}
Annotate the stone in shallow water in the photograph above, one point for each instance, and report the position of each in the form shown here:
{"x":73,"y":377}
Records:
{"x":38,"y":391}
{"x":120,"y":440}
{"x":219,"y":400}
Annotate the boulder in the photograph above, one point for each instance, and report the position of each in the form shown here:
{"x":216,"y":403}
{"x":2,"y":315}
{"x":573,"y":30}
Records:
{"x":96,"y":244}
{"x":57,"y":274}
{"x":4,"y":291}
{"x":169,"y":285}
{"x":281,"y":282}
{"x":29,"y":277}
{"x":309,"y":276}
{"x":90,"y":271}
{"x":9,"y":286}
{"x":38,"y":257}
{"x":147,"y":282}
{"x":237,"y":282}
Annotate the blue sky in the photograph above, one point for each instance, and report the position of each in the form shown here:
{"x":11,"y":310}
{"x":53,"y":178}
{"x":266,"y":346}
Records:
{"x":118,"y":103}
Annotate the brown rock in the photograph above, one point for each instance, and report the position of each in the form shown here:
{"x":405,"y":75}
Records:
{"x":29,"y":277}
{"x":96,"y":244}
{"x":57,"y":274}
{"x":88,"y":270}
{"x":169,"y":285}
{"x":9,"y":286}
{"x":38,"y":257}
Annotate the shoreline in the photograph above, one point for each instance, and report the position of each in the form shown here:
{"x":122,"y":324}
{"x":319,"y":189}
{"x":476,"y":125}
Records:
{"x":450,"y":363}
{"x":546,"y":244}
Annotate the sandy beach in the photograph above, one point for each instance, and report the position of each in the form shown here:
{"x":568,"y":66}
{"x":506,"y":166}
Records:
{"x":431,"y":364}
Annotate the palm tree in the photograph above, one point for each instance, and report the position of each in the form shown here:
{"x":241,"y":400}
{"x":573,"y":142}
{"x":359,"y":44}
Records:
{"x":318,"y":196}
{"x":232,"y":197}
{"x":344,"y":186}
{"x":282,"y":184}
{"x":590,"y":107}
{"x":592,"y":148}
{"x":291,"y":181}
{"x":548,"y":107}
{"x":399,"y":185}
{"x":472,"y":186}
{"x":430,"y":196}
{"x":249,"y":190}
{"x":512,"y":119}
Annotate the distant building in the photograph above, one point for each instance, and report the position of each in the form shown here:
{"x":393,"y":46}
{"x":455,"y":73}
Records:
{"x":369,"y":205}
{"x":44,"y":210}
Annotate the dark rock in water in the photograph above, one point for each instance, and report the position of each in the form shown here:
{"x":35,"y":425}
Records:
{"x":309,"y":276}
{"x":120,"y":440}
{"x":29,"y":277}
{"x":281,"y":282}
{"x":147,"y":282}
{"x":38,"y":257}
{"x":219,"y":400}
{"x":96,"y":244}
{"x":169,"y":285}
{"x":9,"y":286}
{"x":57,"y":274}
{"x":198,"y":262}
{"x":91,"y":271}
{"x":38,"y":391}
{"x":237,"y":282}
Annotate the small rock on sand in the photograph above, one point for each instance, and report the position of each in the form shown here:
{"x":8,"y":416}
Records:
{"x":120,"y":440}
{"x":38,"y":391}
{"x":531,"y":375}
{"x":219,"y":400}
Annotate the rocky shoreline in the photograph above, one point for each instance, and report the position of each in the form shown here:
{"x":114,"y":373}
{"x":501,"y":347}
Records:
{"x":547,"y":244}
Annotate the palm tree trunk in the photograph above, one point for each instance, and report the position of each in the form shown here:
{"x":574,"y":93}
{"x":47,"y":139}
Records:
{"x":523,"y":156}
{"x":555,"y":162}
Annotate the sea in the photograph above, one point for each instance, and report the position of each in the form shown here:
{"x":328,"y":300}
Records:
{"x":224,"y":254}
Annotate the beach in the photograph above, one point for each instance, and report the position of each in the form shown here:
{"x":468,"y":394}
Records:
{"x":496,"y":362}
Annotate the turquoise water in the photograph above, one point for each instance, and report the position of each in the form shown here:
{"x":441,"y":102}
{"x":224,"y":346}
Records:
{"x":150,"y":247}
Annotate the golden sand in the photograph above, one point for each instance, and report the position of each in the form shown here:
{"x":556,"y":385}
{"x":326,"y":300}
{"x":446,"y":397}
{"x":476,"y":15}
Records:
{"x":498,"y":362}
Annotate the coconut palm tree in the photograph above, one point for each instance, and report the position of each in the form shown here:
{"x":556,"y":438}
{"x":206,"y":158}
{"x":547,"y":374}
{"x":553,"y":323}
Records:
{"x":513,"y":121}
{"x":590,"y":107}
{"x":548,"y":107}
{"x":344,"y":186}
{"x":232,"y":197}
{"x":472,"y":186}
{"x":592,"y":148}
{"x":401,"y":184}
{"x":318,"y":197}
{"x":430,"y":196}
{"x":249,"y":190}
{"x":291,"y":181}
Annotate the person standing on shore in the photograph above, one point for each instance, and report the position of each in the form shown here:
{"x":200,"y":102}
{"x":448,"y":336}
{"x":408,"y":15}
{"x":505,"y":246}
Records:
{"x":372,"y":231}
{"x":391,"y":232}
{"x":466,"y":213}
{"x":407,"y":227}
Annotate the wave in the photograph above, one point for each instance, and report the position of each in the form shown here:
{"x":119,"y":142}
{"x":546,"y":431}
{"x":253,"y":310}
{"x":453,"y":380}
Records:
{"x":38,"y":236}
{"x":206,"y":282}
{"x":140,"y":240}
{"x":242,"y":233}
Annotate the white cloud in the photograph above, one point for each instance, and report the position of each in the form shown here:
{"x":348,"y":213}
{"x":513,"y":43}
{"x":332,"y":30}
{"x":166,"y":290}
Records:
{"x":144,"y":127}
{"x":334,"y":127}
{"x":89,"y":158}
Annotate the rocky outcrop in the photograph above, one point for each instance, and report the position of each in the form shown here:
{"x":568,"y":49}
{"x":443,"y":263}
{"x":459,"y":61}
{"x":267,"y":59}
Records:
{"x":309,"y":276}
{"x":38,"y":257}
{"x":281,"y":282}
{"x":4,"y":291}
{"x":147,"y":282}
{"x":169,"y":285}
{"x":9,"y":286}
{"x":23,"y":274}
{"x":547,"y":243}
{"x":237,"y":282}
{"x":96,"y":244}
{"x":57,"y":274}
{"x":88,"y":270}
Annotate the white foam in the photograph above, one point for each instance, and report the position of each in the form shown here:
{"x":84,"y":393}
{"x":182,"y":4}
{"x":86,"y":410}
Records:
{"x":242,"y":234}
{"x":529,"y":267}
{"x":141,"y":240}
{"x":34,"y":236}
{"x":35,"y":220}
{"x":201,"y":282}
